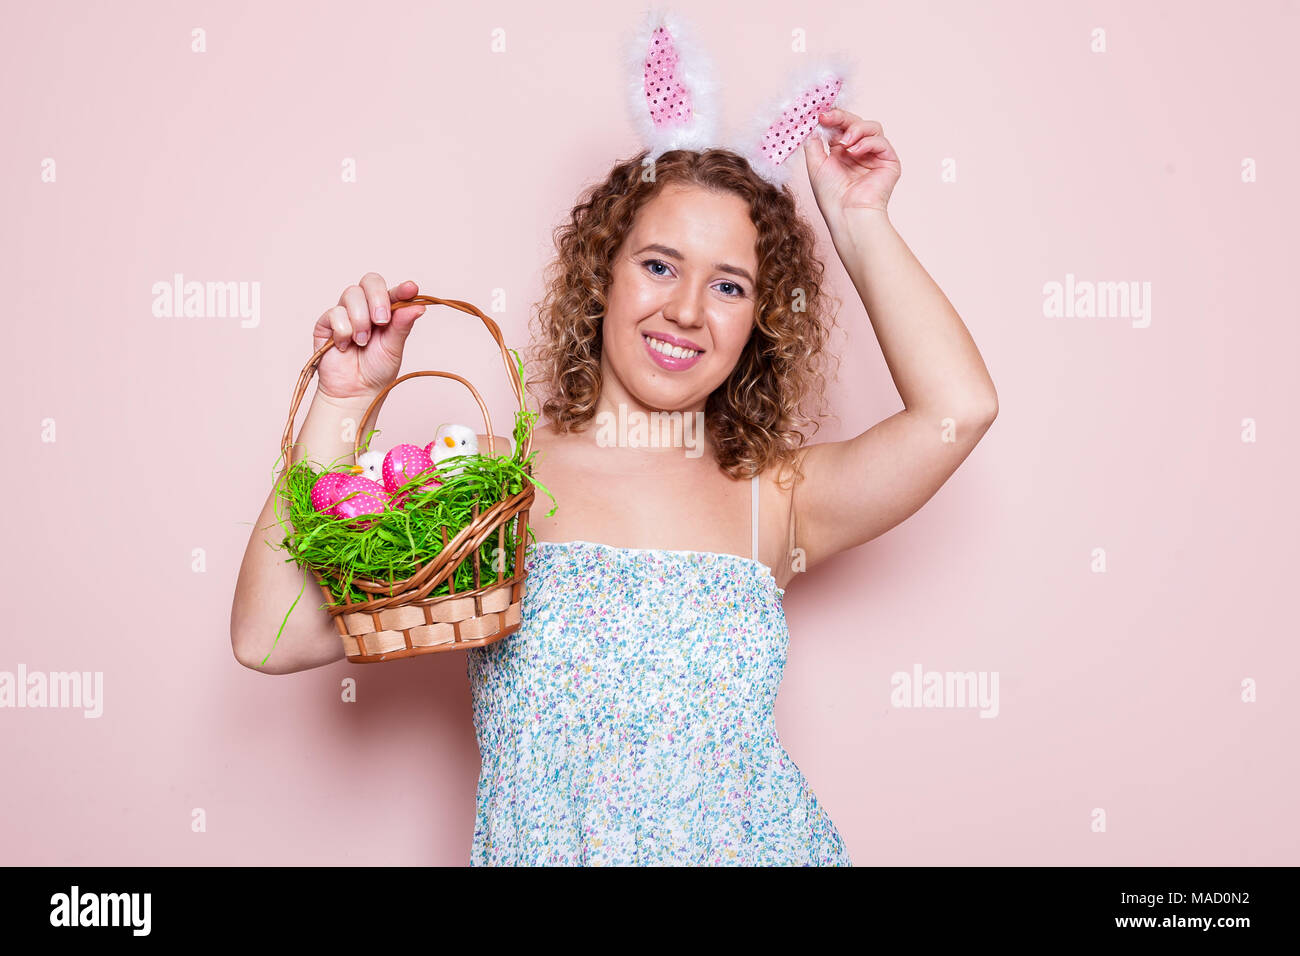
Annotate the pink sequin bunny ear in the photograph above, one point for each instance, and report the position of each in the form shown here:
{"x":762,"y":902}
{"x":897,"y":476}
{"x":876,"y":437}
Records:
{"x":671,"y":86}
{"x":779,"y":129}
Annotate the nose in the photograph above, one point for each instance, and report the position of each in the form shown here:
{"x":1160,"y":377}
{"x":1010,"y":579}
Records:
{"x":686,"y":306}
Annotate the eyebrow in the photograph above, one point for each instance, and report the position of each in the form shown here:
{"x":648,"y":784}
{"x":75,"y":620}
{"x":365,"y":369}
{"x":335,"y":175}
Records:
{"x":674,"y":254}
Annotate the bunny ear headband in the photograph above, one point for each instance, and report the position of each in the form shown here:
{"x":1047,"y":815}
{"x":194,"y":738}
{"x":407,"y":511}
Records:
{"x":673,"y":98}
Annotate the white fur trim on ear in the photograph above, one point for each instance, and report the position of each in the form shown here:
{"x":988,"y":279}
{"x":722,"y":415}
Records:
{"x":694,"y":71}
{"x":802,"y":77}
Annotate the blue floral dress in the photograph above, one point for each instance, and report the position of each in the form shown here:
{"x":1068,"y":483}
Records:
{"x":629,"y":720}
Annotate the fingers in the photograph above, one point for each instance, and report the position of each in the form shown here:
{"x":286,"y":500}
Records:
{"x":357,"y":303}
{"x":403,"y":290}
{"x":856,"y":132}
{"x":877,"y":148}
{"x":854,"y":126}
{"x":404,"y":318}
{"x":814,"y":154}
{"x":866,"y":145}
{"x":334,"y":324}
{"x":837,"y":118}
{"x":860,"y":138}
{"x":407,"y":313}
{"x":365,"y":306}
{"x":372,"y":283}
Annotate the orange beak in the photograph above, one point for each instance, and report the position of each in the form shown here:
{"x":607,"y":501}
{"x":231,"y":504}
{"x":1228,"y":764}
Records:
{"x":449,"y":442}
{"x":356,"y":469}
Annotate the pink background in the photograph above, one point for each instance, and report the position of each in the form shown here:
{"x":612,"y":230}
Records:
{"x":1119,"y":691}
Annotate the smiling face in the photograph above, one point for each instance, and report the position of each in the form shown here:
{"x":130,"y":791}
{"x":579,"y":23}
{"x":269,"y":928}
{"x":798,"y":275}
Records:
{"x":681,"y":301}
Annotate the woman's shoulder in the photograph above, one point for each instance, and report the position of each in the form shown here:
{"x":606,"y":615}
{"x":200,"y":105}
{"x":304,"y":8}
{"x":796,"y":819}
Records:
{"x":543,"y":436}
{"x":555,"y":446}
{"x":546,"y":435}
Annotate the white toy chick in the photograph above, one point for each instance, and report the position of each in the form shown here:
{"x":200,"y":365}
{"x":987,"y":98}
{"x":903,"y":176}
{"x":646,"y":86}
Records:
{"x":370,"y":465}
{"x":449,"y":441}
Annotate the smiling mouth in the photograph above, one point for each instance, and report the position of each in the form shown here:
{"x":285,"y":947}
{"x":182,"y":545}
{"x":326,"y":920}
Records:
{"x":672,"y":351}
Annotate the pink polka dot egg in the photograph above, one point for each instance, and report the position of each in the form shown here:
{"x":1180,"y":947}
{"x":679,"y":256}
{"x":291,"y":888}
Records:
{"x":405,"y":462}
{"x":324,"y":493}
{"x":357,"y":496}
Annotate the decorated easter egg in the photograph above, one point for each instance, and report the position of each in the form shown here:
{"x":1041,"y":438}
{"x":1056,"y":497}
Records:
{"x":358,"y":495}
{"x":403,"y":463}
{"x":324,"y":493}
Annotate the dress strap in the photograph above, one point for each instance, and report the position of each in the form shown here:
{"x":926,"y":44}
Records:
{"x":753,"y":521}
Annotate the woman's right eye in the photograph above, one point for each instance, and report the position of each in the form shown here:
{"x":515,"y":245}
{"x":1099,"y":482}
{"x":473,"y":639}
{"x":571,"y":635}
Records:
{"x":651,"y":263}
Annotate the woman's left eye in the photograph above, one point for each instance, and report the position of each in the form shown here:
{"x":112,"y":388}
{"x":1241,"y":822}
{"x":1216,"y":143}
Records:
{"x":739,"y":290}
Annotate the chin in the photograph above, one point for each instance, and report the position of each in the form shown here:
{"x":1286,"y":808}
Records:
{"x":658,"y":399}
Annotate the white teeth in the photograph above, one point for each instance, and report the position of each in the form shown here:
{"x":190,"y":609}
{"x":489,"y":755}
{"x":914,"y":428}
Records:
{"x":670,"y":350}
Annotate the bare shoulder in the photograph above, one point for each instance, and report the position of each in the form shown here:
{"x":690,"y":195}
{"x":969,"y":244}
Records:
{"x":557,"y":444}
{"x":504,"y":445}
{"x":545,"y":434}
{"x":544,"y":438}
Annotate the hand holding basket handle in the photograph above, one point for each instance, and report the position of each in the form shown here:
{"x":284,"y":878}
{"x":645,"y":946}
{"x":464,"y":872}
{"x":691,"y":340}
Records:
{"x":402,"y":618}
{"x":369,"y":330}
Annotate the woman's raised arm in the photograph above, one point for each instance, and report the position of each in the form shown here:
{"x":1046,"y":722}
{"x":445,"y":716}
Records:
{"x":857,"y":489}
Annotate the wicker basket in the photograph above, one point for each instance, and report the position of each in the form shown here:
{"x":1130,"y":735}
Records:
{"x":401,"y":620}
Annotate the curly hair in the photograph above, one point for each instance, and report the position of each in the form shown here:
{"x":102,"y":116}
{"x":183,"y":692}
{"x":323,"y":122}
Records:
{"x":753,"y":418}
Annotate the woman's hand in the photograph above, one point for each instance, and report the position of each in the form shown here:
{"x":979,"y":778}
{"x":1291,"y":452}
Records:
{"x":368,"y":335}
{"x":860,"y":171}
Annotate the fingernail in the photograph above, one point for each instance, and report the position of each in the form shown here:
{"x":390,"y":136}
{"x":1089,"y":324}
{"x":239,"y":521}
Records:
{"x":362,"y":338}
{"x":381,"y":315}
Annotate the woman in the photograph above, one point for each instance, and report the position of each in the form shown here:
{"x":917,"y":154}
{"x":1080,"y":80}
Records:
{"x":629,"y":720}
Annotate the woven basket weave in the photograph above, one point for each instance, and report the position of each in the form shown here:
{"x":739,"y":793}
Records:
{"x":400,"y":619}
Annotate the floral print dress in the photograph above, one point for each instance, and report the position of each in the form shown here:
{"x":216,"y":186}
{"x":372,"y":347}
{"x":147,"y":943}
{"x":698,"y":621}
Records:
{"x":629,"y":720}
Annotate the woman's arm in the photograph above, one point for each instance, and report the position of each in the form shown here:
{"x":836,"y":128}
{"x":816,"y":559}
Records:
{"x":269,"y":584}
{"x":860,"y":488}
{"x":347,"y":380}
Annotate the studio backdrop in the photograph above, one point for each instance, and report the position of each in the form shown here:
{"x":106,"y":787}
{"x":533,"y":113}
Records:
{"x":1105,"y":191}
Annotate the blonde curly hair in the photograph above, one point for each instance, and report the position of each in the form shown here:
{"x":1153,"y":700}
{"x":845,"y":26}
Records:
{"x":754,"y":418}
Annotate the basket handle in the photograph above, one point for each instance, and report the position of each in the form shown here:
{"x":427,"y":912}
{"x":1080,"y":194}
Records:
{"x":286,"y":441}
